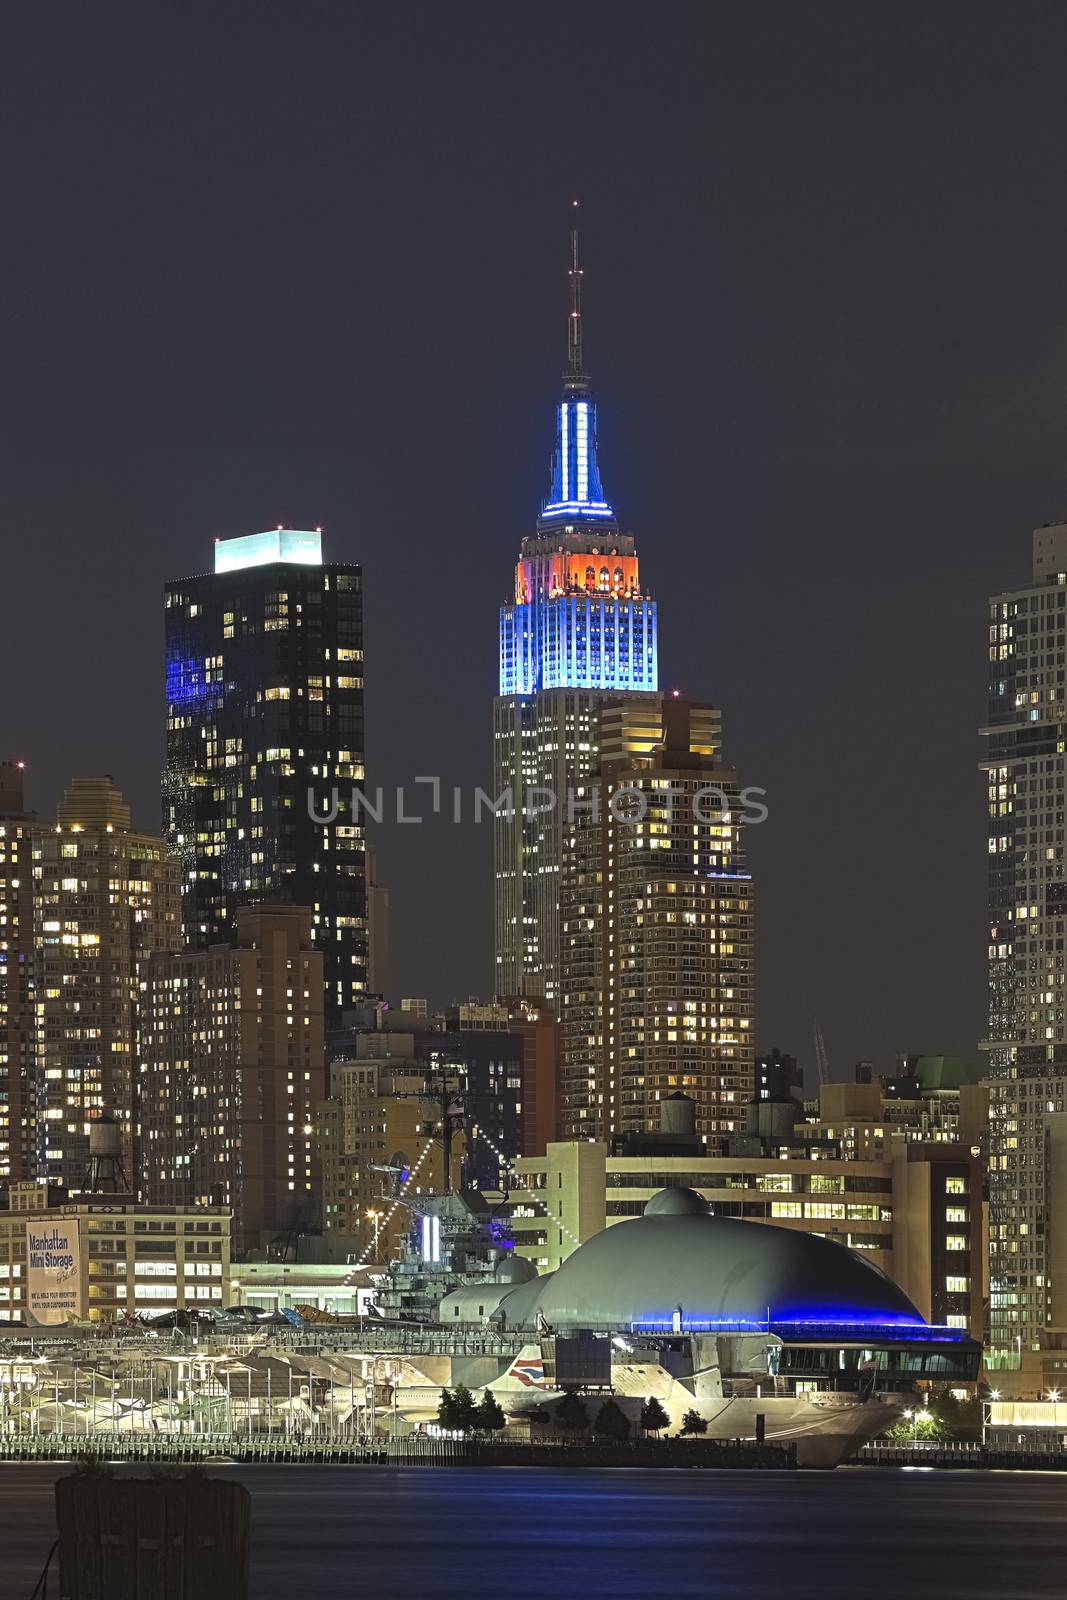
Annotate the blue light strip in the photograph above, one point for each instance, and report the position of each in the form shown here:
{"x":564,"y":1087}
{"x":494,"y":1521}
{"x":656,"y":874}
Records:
{"x":576,"y":508}
{"x":582,"y":419}
{"x":576,"y":489}
{"x":800,"y":1327}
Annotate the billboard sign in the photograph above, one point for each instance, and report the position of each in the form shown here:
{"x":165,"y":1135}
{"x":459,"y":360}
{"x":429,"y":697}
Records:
{"x":53,"y":1270}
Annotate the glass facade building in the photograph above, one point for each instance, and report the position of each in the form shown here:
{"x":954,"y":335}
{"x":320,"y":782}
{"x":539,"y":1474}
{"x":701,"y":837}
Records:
{"x":264,"y":694}
{"x":1025,"y":771}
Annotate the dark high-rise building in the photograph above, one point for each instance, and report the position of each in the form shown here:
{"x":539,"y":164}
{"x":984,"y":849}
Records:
{"x":264,"y":689}
{"x":232,"y":1067}
{"x":1026,"y":788}
{"x":84,"y":902}
{"x":470,"y":1059}
{"x":18,"y":993}
{"x":777,"y":1076}
{"x":105,"y":902}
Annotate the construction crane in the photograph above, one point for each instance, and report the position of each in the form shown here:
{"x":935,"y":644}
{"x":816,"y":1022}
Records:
{"x":822,"y":1060}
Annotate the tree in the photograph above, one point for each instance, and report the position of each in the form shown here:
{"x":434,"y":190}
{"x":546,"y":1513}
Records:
{"x":917,"y":1427}
{"x":653,"y":1417}
{"x":446,"y":1411}
{"x":456,"y":1410}
{"x":571,"y":1413}
{"x":693,"y":1423}
{"x":611,"y":1422}
{"x":466,"y":1410}
{"x":959,"y":1419}
{"x":488,"y":1414}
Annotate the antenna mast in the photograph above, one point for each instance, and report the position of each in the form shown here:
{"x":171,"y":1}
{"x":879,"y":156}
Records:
{"x":575,"y":368}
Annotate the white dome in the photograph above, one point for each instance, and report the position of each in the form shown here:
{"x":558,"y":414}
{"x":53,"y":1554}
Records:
{"x":677,"y":1203}
{"x":515,"y":1269}
{"x":716,"y":1268}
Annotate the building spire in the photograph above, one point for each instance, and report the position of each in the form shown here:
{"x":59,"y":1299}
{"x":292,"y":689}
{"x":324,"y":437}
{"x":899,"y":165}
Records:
{"x":575,"y":370}
{"x":576,"y":488}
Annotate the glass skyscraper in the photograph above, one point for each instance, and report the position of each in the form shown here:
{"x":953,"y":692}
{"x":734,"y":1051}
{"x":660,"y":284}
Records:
{"x":264,"y":692}
{"x":1026,"y":775}
{"x":578,"y":633}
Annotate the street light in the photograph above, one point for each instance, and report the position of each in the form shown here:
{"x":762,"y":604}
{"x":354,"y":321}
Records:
{"x":375,"y":1217}
{"x":987,"y":1413}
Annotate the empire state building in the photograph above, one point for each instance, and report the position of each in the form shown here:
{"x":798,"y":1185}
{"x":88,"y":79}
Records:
{"x":578,"y":635}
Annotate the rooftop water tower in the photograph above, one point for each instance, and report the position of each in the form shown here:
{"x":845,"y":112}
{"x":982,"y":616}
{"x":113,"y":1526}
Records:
{"x":105,"y":1173}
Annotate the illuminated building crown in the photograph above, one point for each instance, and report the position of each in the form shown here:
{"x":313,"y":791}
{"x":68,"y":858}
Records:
{"x":576,"y":487}
{"x":579,"y":619}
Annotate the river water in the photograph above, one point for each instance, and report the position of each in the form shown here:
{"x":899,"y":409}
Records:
{"x":514,"y":1533}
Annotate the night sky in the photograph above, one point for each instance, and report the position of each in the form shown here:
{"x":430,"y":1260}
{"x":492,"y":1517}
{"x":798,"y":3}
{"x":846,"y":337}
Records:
{"x":306,"y":264}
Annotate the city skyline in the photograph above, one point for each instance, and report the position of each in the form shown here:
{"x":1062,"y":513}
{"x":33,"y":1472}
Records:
{"x":533,"y":798}
{"x":833,"y":437}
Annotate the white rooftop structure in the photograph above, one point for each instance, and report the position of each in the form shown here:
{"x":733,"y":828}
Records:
{"x":261,"y":549}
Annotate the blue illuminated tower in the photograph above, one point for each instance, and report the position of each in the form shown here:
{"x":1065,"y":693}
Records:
{"x":578,"y":634}
{"x":579,"y":619}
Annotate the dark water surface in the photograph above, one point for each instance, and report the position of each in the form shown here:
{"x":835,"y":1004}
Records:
{"x":449,"y":1533}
